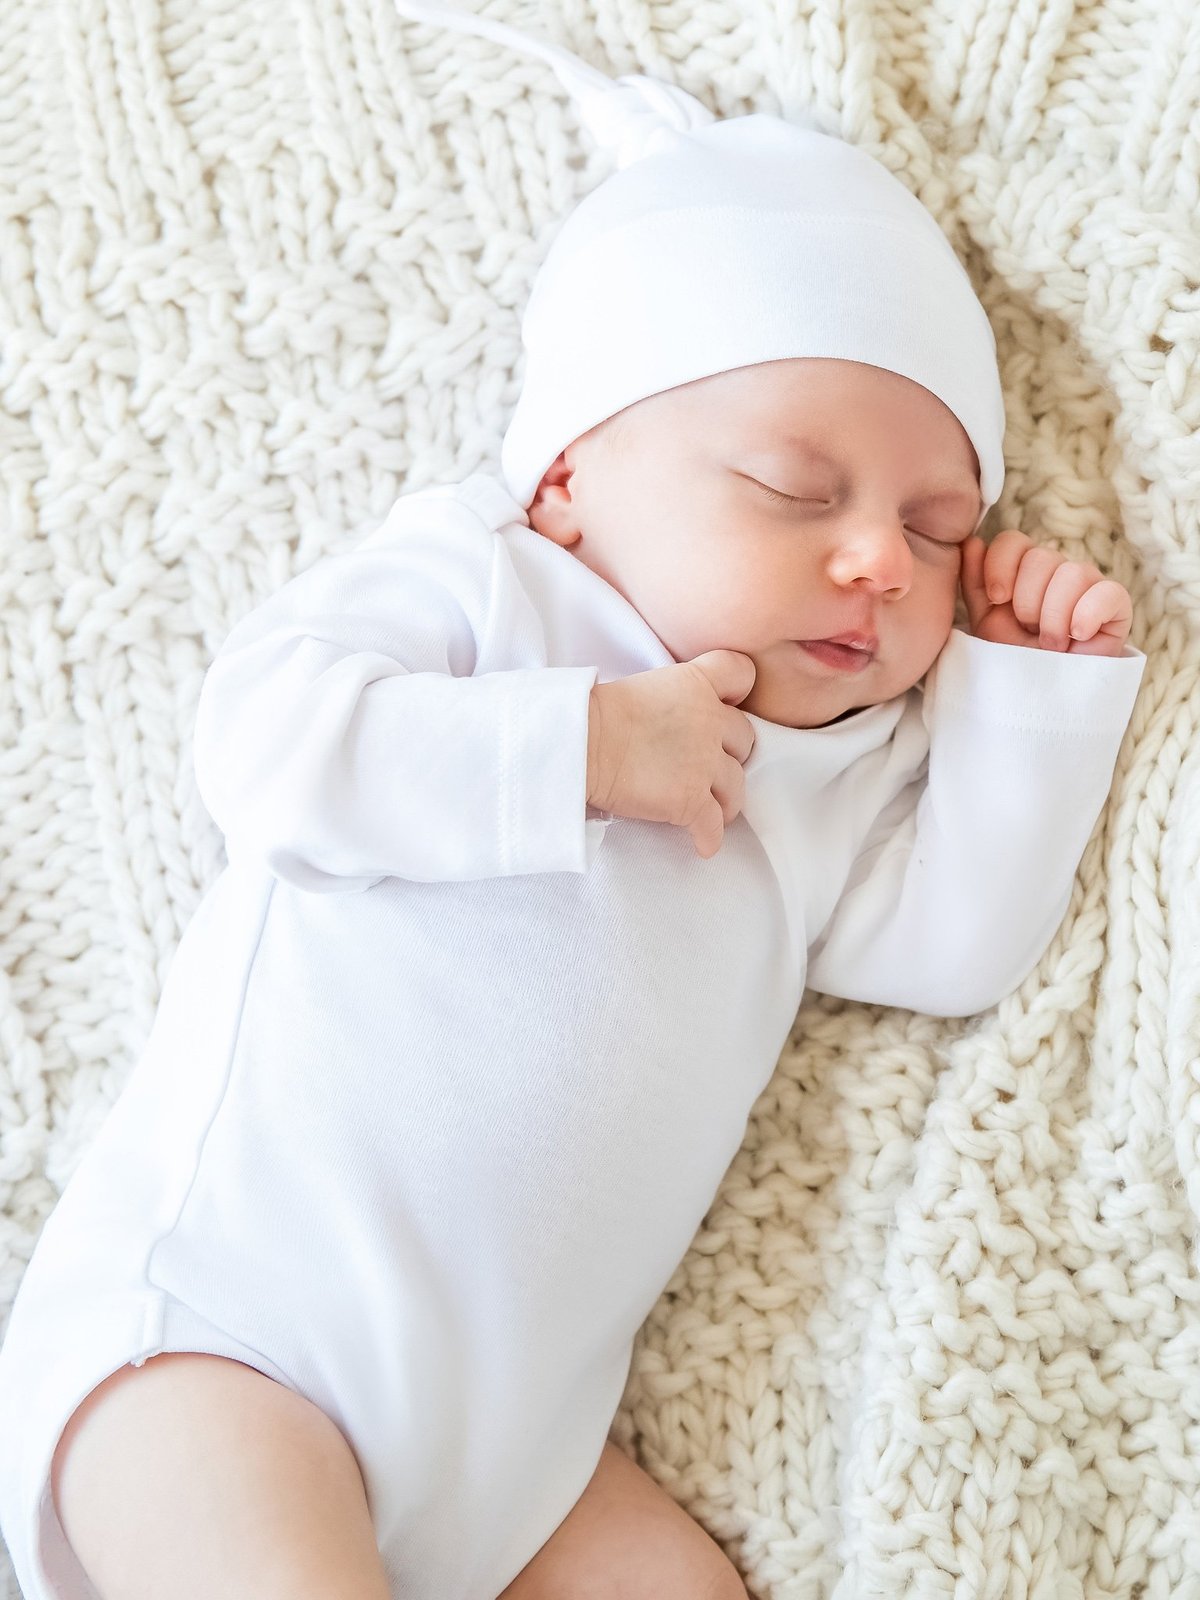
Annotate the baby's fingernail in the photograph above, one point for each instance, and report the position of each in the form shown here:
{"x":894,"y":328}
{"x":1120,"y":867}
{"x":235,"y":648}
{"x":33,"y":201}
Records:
{"x":995,"y":593}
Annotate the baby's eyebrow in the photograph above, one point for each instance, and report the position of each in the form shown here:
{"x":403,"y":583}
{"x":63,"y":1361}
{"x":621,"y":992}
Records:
{"x":814,"y":453}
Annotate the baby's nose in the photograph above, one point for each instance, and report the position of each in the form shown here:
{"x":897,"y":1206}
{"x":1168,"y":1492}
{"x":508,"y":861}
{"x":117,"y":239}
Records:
{"x":876,"y":556}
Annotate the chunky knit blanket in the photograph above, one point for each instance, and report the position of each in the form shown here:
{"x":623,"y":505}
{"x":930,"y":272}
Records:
{"x":261,"y":272}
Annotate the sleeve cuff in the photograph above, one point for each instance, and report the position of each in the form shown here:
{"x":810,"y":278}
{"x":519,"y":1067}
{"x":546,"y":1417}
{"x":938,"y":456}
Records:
{"x":544,"y":821}
{"x":1044,"y":691}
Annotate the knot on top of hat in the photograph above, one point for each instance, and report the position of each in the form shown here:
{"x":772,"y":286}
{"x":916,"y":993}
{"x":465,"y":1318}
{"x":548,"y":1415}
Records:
{"x":636,"y":116}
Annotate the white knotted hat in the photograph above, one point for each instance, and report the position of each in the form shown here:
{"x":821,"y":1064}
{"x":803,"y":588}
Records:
{"x":722,"y":243}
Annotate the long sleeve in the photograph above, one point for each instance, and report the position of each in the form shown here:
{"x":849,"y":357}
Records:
{"x":966,"y":875}
{"x":340,"y":736}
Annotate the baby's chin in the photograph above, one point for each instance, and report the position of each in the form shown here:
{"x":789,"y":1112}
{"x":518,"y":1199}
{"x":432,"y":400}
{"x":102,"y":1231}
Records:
{"x":794,"y":709}
{"x":795,"y":704}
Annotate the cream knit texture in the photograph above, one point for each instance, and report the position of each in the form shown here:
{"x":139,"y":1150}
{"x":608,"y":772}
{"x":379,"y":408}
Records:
{"x":261,"y":272}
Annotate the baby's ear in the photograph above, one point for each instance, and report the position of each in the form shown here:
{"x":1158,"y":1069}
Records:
{"x":551,"y":512}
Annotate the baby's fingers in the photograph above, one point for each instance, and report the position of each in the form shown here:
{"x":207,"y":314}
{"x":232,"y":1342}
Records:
{"x":1104,"y":608}
{"x":1000,"y":563}
{"x":970,"y":577}
{"x":1068,"y":584}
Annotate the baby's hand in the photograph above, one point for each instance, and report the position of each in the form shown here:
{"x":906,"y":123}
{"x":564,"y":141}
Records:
{"x":669,"y":745}
{"x":1019,"y":593}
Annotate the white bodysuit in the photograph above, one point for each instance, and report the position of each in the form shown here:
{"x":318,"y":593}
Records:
{"x":448,"y":1066}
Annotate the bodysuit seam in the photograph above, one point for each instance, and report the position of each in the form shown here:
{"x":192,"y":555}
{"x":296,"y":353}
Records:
{"x":220,"y":1100}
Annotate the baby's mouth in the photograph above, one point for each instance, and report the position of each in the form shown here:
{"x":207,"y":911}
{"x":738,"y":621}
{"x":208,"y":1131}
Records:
{"x":843,"y":657}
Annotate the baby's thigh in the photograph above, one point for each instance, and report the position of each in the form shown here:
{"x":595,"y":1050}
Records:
{"x":195,"y":1476}
{"x":626,"y":1537}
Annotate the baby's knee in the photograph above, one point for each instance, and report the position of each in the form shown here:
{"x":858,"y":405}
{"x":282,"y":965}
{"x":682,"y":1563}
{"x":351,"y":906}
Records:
{"x":625,"y":1535}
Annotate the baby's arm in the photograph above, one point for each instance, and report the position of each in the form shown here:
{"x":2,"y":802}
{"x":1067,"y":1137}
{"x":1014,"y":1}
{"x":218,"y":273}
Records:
{"x":964,"y":880}
{"x":340,"y":736}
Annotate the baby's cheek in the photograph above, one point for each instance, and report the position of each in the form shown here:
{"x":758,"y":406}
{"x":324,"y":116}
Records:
{"x":919,"y":643}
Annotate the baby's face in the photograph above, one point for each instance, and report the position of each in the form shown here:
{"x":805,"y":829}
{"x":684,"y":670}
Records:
{"x":670,"y":502}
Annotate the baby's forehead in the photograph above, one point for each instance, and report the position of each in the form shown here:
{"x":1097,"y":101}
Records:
{"x":821,"y":404}
{"x":821,"y":409}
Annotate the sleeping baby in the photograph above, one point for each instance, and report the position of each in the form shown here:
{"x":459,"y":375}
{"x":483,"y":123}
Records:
{"x":543,"y":805}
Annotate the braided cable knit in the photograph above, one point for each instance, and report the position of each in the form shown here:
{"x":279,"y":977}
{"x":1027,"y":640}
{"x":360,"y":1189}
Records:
{"x":261,"y":271}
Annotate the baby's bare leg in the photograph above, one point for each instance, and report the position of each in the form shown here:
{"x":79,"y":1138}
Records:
{"x":195,"y":1476}
{"x":626,"y":1536}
